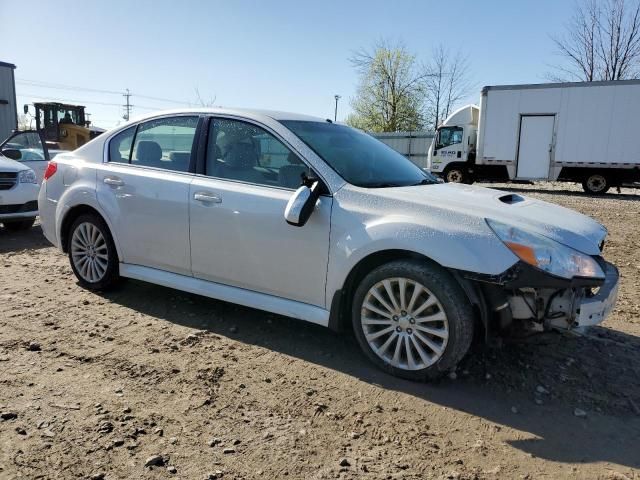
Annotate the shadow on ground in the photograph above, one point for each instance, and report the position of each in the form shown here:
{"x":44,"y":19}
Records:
{"x":31,"y":239}
{"x":596,"y":373}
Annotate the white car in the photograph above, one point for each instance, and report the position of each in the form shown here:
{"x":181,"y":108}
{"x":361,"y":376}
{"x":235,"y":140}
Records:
{"x":314,"y":220}
{"x":18,"y":195}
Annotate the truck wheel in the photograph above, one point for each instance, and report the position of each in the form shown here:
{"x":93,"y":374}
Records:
{"x":457,"y":175}
{"x":412,"y":319}
{"x":19,"y":225}
{"x":596,"y":184}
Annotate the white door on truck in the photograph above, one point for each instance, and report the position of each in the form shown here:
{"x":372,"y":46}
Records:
{"x":534,"y":151}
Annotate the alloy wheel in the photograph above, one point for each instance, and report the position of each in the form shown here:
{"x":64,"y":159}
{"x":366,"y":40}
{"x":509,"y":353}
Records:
{"x":89,"y":252}
{"x":454,"y":176}
{"x":404,"y":323}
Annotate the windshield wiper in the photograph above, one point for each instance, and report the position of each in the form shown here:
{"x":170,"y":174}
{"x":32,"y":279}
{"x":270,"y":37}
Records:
{"x":380,"y":185}
{"x":424,"y":181}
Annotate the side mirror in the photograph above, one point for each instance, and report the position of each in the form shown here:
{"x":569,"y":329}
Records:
{"x":301,"y":204}
{"x":12,"y":153}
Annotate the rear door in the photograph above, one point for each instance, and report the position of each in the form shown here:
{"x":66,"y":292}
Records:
{"x":535,"y":146}
{"x":239,"y":236}
{"x":144,"y":190}
{"x":33,"y":150}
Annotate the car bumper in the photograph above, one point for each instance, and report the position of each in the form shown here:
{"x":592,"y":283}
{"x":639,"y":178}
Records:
{"x":594,"y":309}
{"x":19,"y":201}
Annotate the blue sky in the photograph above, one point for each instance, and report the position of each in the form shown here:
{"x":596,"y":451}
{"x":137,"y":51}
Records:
{"x":278,"y":54}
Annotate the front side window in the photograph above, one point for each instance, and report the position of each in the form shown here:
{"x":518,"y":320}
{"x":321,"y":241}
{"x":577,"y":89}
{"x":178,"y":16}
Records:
{"x":29,"y":144}
{"x":357,"y":157}
{"x":247,"y":153}
{"x":448,"y":136}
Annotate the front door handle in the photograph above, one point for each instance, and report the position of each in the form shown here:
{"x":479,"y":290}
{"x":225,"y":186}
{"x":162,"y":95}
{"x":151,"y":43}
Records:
{"x":207,"y":197}
{"x":113,"y":181}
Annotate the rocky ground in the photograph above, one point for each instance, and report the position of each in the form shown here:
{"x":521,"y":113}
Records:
{"x":148,"y":382}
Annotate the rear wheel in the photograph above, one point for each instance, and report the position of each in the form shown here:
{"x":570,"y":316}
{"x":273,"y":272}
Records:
{"x":596,"y":184}
{"x":412,"y":319}
{"x":19,"y":225}
{"x":92,"y":253}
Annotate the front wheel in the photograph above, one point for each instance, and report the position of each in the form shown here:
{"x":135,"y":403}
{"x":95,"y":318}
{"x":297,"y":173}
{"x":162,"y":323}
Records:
{"x":92,"y":253}
{"x":596,"y":184}
{"x":19,"y":225}
{"x":457,"y":174}
{"x":412,"y":319}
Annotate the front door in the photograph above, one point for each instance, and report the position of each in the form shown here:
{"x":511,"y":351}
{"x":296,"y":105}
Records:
{"x":144,"y":191}
{"x":33,"y":151}
{"x":535,"y":146}
{"x":239,"y":236}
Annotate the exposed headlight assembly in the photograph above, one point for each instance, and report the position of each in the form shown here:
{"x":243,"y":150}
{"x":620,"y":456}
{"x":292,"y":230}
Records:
{"x":546,"y":254}
{"x":27,"y":176}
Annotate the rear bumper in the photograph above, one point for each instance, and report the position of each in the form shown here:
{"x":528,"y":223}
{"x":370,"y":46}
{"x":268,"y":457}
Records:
{"x":593,"y":310}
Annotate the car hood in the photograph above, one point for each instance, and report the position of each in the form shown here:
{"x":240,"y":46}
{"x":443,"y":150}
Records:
{"x":8,"y":165}
{"x":563,"y":225}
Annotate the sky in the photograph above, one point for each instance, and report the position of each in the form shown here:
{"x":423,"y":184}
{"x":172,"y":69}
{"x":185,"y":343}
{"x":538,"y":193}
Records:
{"x":289,"y":55}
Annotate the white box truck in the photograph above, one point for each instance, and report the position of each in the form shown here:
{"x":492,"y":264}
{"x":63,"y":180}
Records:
{"x":586,"y":132}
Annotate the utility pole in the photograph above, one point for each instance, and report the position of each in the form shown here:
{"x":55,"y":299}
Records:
{"x":335,"y":115}
{"x":127,"y":106}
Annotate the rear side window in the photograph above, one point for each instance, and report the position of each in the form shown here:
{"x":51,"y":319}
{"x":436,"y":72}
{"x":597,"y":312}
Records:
{"x":161,"y":143}
{"x":120,"y":146}
{"x":165,"y":143}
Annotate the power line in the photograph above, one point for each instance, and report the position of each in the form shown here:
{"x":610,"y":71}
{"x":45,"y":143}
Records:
{"x":81,"y":102}
{"x":62,"y":86}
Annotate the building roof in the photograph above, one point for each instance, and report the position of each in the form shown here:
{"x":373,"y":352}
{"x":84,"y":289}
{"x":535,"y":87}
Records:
{"x":5,"y":64}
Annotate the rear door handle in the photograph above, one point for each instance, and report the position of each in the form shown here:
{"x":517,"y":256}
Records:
{"x":113,"y":181}
{"x":207,"y":197}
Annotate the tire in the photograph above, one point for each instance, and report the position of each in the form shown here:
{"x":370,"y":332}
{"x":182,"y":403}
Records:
{"x":19,"y":225}
{"x":457,"y":174}
{"x":454,"y":333}
{"x":89,"y":239}
{"x":596,"y":184}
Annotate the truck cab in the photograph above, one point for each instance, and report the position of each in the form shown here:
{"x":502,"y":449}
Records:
{"x":453,"y":149}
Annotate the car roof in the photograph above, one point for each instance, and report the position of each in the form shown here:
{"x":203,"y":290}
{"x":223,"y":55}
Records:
{"x":243,"y":112}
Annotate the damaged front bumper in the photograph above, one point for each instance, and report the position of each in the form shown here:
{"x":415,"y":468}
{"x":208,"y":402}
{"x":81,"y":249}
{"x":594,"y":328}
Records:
{"x":592,"y":310}
{"x":529,"y":298}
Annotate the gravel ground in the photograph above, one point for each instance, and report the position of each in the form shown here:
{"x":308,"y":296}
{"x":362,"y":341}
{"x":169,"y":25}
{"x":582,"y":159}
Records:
{"x":148,"y":382}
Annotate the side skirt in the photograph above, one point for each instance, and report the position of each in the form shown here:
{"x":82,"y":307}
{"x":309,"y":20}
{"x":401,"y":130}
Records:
{"x":241,"y":296}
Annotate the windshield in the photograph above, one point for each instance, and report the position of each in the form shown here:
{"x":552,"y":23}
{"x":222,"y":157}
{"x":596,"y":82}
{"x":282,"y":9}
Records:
{"x":357,"y":157}
{"x":448,"y":136}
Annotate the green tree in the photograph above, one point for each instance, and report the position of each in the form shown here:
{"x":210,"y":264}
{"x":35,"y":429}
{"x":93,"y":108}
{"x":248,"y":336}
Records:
{"x":391,"y":90}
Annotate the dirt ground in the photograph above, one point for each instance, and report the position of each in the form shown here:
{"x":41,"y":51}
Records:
{"x":95,"y":386}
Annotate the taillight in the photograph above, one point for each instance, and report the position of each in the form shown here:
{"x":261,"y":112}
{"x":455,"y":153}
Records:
{"x":52,"y":168}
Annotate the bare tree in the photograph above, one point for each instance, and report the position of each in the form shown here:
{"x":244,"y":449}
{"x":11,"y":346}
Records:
{"x":601,"y":42}
{"x":391,"y":92}
{"x":447,"y":84}
{"x":202,"y":102}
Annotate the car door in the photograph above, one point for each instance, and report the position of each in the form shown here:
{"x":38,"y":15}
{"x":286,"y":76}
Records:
{"x":143,"y":187}
{"x":32,"y":148}
{"x":239,"y":236}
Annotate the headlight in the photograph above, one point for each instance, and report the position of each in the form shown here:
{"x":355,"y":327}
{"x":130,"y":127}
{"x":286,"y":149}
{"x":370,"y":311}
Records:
{"x":546,"y":254}
{"x":27,"y":176}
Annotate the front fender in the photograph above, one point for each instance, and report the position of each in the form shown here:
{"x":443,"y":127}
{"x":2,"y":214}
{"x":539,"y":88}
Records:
{"x":449,"y":244}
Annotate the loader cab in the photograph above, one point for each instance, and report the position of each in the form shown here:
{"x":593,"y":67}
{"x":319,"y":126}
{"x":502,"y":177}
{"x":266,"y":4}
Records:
{"x":63,"y":126}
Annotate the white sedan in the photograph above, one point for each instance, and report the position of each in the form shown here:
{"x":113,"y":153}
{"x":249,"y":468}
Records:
{"x":318,"y":221}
